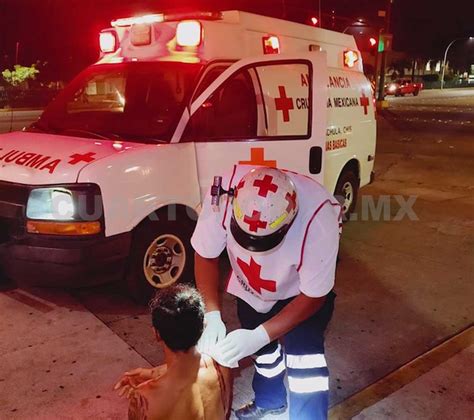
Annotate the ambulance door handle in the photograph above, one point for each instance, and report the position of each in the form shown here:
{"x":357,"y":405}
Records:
{"x":315,"y":160}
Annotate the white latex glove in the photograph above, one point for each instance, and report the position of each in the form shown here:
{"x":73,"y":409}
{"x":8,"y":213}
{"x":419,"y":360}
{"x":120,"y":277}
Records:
{"x":214,"y":331}
{"x":239,"y":344}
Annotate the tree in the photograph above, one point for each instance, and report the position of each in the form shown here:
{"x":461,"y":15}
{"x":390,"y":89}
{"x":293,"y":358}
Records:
{"x":20,"y":74}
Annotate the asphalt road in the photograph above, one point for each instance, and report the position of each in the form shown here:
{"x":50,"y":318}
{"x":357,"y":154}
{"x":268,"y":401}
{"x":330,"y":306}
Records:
{"x":403,"y":285}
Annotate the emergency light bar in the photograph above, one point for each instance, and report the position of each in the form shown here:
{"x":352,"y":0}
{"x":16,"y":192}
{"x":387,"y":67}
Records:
{"x":189,"y":33}
{"x":108,"y":41}
{"x":271,"y":45}
{"x":139,"y":20}
{"x":160,"y":17}
{"x":350,"y":58}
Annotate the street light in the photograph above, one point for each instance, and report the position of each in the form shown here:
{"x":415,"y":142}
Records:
{"x":359,"y":23}
{"x":446,"y":55}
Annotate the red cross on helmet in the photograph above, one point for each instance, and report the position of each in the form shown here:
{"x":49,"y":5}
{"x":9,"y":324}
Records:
{"x":264,"y":207}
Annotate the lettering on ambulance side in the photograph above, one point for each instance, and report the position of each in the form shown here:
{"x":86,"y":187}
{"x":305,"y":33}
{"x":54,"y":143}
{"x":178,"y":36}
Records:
{"x":340,"y":82}
{"x":39,"y":161}
{"x":335,"y":140}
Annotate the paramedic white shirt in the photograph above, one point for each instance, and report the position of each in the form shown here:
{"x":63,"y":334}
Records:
{"x":305,"y":262}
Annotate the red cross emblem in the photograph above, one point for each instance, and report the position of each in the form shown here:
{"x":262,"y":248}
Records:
{"x":291,"y":198}
{"x":88,"y":158}
{"x":364,"y":101}
{"x":254,"y":222}
{"x":257,"y":158}
{"x":265,"y":185}
{"x":285,"y":104}
{"x":252,"y":272}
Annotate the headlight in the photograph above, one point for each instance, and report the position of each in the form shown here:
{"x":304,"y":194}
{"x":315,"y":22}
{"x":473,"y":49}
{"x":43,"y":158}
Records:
{"x":50,"y":204}
{"x":392,"y":88}
{"x":73,"y":210}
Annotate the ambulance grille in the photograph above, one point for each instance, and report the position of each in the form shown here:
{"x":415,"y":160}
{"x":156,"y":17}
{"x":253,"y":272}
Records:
{"x":13,"y":199}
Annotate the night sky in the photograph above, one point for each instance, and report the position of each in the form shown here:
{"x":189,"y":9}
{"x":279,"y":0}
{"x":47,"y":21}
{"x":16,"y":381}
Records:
{"x":64,"y":32}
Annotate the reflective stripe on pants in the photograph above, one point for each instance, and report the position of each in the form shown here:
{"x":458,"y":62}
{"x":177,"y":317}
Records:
{"x":308,"y":375}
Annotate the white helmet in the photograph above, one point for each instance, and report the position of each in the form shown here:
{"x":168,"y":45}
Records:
{"x":264,"y":207}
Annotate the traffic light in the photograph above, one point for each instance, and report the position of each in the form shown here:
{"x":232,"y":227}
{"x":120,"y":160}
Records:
{"x":373,"y":43}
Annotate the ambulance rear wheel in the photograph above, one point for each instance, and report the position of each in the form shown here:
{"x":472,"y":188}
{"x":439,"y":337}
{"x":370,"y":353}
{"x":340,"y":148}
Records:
{"x":161,"y":255}
{"x":346,"y":192}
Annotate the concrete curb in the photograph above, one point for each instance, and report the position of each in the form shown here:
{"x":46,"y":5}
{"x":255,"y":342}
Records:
{"x":403,"y":376}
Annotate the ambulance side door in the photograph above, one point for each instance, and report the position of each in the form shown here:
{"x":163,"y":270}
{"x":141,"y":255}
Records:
{"x":267,"y":111}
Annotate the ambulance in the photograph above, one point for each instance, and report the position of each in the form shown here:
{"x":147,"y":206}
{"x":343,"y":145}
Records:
{"x":107,"y":184}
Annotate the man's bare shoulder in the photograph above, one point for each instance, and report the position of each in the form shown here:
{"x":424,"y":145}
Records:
{"x":215,"y":382}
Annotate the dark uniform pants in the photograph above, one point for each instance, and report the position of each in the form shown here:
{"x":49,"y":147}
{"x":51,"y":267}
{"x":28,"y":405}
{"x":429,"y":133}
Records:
{"x":302,"y":359}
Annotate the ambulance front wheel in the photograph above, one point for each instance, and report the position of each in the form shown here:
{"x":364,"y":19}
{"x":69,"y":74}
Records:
{"x":161,"y":254}
{"x":346,"y":192}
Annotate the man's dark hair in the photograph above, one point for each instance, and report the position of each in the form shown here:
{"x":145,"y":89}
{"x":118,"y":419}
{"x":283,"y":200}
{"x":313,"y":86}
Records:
{"x":177,"y":313}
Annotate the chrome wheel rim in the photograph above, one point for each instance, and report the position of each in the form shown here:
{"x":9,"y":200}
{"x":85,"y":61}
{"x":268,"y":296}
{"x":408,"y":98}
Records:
{"x":164,"y":261}
{"x":348,"y":197}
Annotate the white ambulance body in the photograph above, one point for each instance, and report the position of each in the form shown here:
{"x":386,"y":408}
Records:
{"x":110,"y":177}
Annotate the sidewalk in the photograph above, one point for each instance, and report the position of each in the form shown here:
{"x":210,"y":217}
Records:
{"x":446,"y":392}
{"x":73,"y":360}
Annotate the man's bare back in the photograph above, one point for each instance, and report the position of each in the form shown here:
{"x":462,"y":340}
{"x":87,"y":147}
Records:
{"x":195,"y":388}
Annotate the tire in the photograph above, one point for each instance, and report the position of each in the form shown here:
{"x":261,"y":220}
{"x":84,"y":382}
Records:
{"x":347,"y":189}
{"x":161,"y":255}
{"x":416,"y":92}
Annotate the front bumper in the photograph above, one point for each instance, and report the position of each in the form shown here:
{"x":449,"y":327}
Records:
{"x":54,"y":261}
{"x":65,"y":262}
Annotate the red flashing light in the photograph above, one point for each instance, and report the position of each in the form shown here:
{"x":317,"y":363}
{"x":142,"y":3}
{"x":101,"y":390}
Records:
{"x":314,"y":20}
{"x":350,"y":58}
{"x":271,"y":45}
{"x":189,"y":33}
{"x":372,"y":42}
{"x":108,"y":41}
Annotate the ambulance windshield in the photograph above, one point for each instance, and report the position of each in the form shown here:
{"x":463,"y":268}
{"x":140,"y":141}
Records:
{"x":136,"y":101}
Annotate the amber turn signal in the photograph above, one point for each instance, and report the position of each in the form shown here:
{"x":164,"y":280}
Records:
{"x":64,"y":228}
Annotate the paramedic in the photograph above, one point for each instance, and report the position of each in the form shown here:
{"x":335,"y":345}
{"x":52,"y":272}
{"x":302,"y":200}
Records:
{"x":281,"y":231}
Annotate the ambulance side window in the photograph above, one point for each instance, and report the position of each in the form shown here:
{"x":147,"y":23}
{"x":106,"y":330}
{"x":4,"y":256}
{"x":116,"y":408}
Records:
{"x":264,"y":101}
{"x":229,"y":113}
{"x":208,"y":78}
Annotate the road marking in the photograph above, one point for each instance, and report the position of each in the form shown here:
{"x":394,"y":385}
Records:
{"x":402,"y":376}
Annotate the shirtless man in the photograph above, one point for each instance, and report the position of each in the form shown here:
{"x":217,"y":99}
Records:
{"x":189,"y":385}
